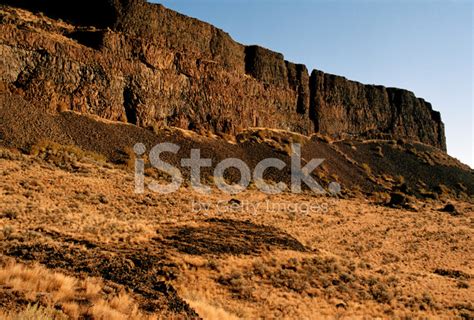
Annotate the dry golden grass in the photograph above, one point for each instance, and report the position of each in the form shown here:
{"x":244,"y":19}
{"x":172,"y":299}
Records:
{"x":387,"y":256}
{"x":36,"y":279}
{"x":55,"y":289}
{"x":61,"y":155}
{"x":34,"y":312}
{"x":367,"y":169}
{"x":207,"y":309}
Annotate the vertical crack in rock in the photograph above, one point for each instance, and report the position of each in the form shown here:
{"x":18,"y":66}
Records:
{"x":313,"y":105}
{"x":129,"y":103}
{"x":298,"y":79}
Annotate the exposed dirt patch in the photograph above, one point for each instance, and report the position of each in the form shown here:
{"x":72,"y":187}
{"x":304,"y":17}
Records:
{"x":226,"y":236}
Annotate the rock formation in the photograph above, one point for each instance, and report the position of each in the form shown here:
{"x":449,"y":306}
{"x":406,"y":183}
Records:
{"x":138,"y":62}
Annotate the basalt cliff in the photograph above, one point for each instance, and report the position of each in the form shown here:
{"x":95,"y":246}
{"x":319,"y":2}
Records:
{"x":141,"y":63}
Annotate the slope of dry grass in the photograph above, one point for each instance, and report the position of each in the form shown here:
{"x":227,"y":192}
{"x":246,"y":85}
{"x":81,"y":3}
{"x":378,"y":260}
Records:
{"x":60,"y":296}
{"x":247,"y":256}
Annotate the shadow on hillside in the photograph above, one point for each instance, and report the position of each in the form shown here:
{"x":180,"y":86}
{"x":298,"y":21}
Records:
{"x":230,"y":237}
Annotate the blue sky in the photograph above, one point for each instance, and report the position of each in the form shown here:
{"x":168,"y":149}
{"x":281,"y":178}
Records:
{"x":424,"y":46}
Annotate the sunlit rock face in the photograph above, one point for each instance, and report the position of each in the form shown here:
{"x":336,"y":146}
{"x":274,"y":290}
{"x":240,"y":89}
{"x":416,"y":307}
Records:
{"x":137,"y":62}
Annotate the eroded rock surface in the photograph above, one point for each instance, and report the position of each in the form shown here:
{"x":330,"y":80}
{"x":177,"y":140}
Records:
{"x":141,"y":63}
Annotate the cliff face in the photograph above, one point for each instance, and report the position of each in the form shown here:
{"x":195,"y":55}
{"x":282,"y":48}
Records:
{"x":133,"y":61}
{"x":354,"y":109}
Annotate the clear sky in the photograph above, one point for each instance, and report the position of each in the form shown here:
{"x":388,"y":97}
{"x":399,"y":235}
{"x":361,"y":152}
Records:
{"x":422,"y":45}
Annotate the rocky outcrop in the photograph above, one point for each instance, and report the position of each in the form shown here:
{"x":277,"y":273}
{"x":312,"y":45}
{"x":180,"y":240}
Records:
{"x":356,"y":110}
{"x":141,"y":63}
